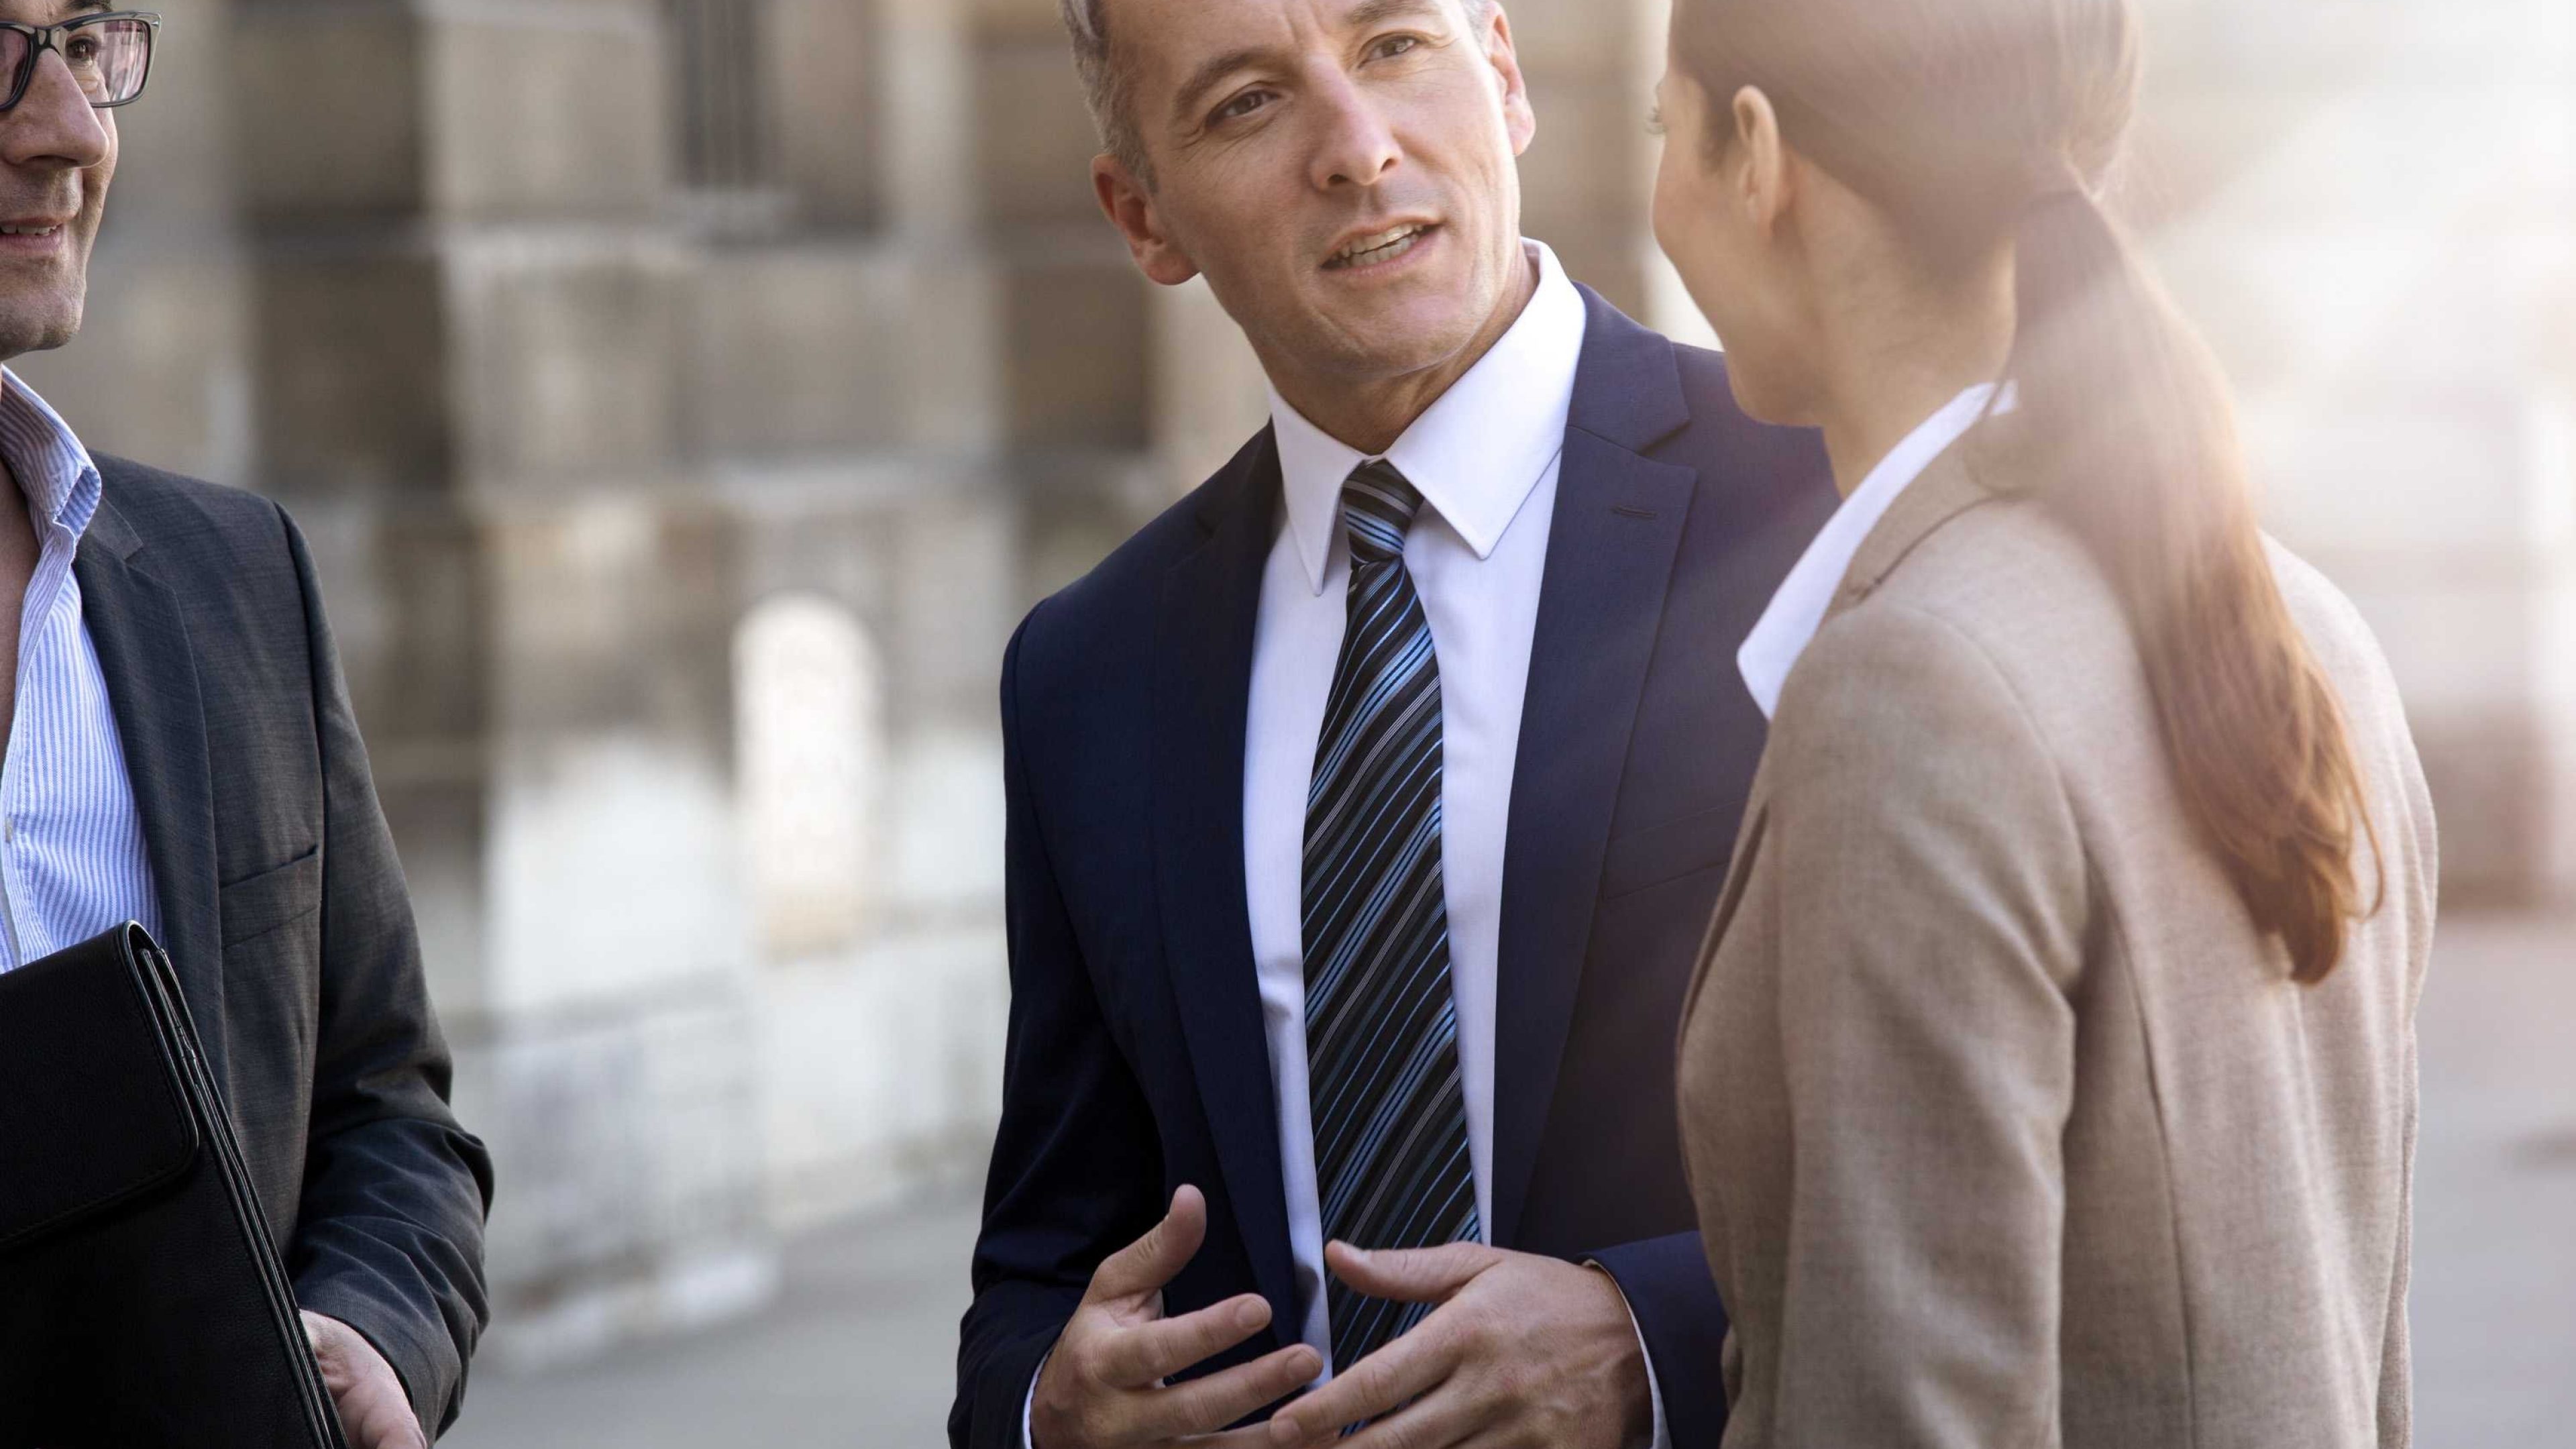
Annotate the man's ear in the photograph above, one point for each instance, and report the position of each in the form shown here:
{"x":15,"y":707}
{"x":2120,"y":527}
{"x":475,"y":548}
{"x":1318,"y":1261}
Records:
{"x":1519,"y":117}
{"x":1130,"y":208}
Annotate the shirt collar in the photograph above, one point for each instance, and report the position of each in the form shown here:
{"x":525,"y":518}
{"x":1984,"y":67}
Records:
{"x":54,"y":471}
{"x":1798,"y":610}
{"x":1476,"y":454}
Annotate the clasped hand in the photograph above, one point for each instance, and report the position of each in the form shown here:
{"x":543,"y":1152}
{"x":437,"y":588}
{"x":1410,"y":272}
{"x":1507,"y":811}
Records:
{"x":1521,"y":1352}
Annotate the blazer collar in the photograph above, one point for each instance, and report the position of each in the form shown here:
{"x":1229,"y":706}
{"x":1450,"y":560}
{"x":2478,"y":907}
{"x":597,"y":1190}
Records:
{"x":1628,"y":390}
{"x":111,"y":531}
{"x":140,"y":631}
{"x":1954,"y":484}
{"x":1204,"y":622}
{"x":1612,"y":549}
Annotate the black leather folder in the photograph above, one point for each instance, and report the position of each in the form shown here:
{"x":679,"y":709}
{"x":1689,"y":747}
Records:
{"x":142,"y":1302}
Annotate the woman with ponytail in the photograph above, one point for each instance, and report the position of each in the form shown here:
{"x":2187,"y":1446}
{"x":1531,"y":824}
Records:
{"x":2049,"y":1078}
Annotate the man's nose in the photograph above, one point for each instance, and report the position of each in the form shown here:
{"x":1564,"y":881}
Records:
{"x":54,"y":123}
{"x":1357,"y":148}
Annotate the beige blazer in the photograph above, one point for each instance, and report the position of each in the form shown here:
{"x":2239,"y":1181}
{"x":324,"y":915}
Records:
{"x":2004,"y":1125}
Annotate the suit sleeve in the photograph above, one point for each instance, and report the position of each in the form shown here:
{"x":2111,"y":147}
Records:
{"x":389,"y":1232}
{"x":1927,"y":1045}
{"x":1683,"y":1326}
{"x":2419,"y":871}
{"x":1077,"y":1166}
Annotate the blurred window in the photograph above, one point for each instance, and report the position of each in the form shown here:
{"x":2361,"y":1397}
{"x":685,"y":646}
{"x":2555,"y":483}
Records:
{"x":728,"y":125}
{"x":775,"y":114}
{"x":809,"y":706}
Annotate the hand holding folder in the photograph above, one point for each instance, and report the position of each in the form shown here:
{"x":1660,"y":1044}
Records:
{"x":142,"y":1301}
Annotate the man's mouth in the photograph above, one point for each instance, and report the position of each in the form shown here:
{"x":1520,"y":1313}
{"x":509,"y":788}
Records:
{"x":7,"y":229}
{"x":1378,"y":250}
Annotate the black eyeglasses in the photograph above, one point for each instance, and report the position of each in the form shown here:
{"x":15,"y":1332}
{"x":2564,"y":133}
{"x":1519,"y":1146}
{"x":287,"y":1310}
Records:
{"x":110,"y":55}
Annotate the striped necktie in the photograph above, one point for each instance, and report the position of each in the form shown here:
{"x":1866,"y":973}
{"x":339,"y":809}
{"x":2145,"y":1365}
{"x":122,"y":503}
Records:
{"x":1391,"y":1163}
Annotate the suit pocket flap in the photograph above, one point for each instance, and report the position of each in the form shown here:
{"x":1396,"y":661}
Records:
{"x":258,"y":904}
{"x":1661,"y":854}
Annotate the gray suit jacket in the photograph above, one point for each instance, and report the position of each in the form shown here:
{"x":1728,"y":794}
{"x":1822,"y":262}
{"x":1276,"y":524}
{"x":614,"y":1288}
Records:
{"x":2004,"y":1125}
{"x":284,"y":910}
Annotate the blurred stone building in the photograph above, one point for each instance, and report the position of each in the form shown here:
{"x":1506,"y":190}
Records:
{"x":685,"y":398}
{"x":2370,"y":207}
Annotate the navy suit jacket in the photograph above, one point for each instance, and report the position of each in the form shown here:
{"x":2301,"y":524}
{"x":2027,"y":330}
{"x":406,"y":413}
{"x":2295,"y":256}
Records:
{"x":1136,"y":1058}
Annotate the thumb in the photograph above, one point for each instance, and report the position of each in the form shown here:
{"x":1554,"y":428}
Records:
{"x":1145,"y":1265}
{"x":323,"y":1335}
{"x":1409,"y":1275}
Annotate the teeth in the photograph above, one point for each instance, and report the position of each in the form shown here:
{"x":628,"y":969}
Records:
{"x":28,"y":230}
{"x":1385,"y":246}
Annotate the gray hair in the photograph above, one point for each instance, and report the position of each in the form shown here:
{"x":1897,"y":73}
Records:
{"x":1105,"y":82}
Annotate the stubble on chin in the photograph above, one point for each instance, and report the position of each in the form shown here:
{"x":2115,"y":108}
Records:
{"x":45,"y":313}
{"x":28,"y":329}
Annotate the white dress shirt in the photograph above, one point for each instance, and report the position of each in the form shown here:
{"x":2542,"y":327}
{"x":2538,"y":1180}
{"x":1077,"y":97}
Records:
{"x":1798,"y":610}
{"x":1485,"y":460}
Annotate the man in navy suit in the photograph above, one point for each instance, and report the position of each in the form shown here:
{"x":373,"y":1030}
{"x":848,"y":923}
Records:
{"x":1367,"y":809}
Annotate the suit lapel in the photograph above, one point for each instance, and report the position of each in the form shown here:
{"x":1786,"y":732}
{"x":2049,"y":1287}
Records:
{"x":1948,"y":488}
{"x":1611,"y":550}
{"x":141,"y":637}
{"x":1203,"y":660}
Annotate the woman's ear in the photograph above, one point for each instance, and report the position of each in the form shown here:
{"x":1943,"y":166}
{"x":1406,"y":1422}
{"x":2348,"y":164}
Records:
{"x":1764,"y":180}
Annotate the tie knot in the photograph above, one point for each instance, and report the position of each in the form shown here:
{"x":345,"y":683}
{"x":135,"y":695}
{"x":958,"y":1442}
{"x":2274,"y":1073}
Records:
{"x":1378,"y":508}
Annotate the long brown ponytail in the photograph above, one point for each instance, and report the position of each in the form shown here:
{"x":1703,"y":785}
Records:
{"x":1983,"y":121}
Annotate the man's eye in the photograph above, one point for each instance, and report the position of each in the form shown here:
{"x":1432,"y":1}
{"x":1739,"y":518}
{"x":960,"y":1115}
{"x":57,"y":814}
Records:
{"x":1395,"y":45}
{"x":1242,"y":105}
{"x":81,"y":50}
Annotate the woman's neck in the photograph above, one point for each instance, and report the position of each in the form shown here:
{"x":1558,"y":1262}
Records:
{"x":1900,"y":350}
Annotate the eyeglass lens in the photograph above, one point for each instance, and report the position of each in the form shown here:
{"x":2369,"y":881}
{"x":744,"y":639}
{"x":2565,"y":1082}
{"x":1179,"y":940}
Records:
{"x":108,"y":58}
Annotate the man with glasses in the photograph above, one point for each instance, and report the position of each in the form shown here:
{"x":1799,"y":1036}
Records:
{"x":181,"y":752}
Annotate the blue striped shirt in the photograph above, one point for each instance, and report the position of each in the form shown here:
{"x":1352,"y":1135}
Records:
{"x":72,"y":859}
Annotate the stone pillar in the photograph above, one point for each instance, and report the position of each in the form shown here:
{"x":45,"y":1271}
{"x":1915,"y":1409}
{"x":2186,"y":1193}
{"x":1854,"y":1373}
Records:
{"x":2373,"y":216}
{"x":472,"y":315}
{"x":865,"y":382}
{"x":1587,"y":178}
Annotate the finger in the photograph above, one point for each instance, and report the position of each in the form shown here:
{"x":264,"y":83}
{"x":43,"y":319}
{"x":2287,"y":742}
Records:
{"x":1155,"y":1259}
{"x":1413,"y":1275}
{"x":1379,"y":1384}
{"x":1255,"y":1436}
{"x":376,"y":1415}
{"x":1148,"y":1353}
{"x":331,"y":1353}
{"x":1204,"y":1406}
{"x":1444,"y":1419}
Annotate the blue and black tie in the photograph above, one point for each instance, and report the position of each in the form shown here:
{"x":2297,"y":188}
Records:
{"x":1390,"y":1113}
